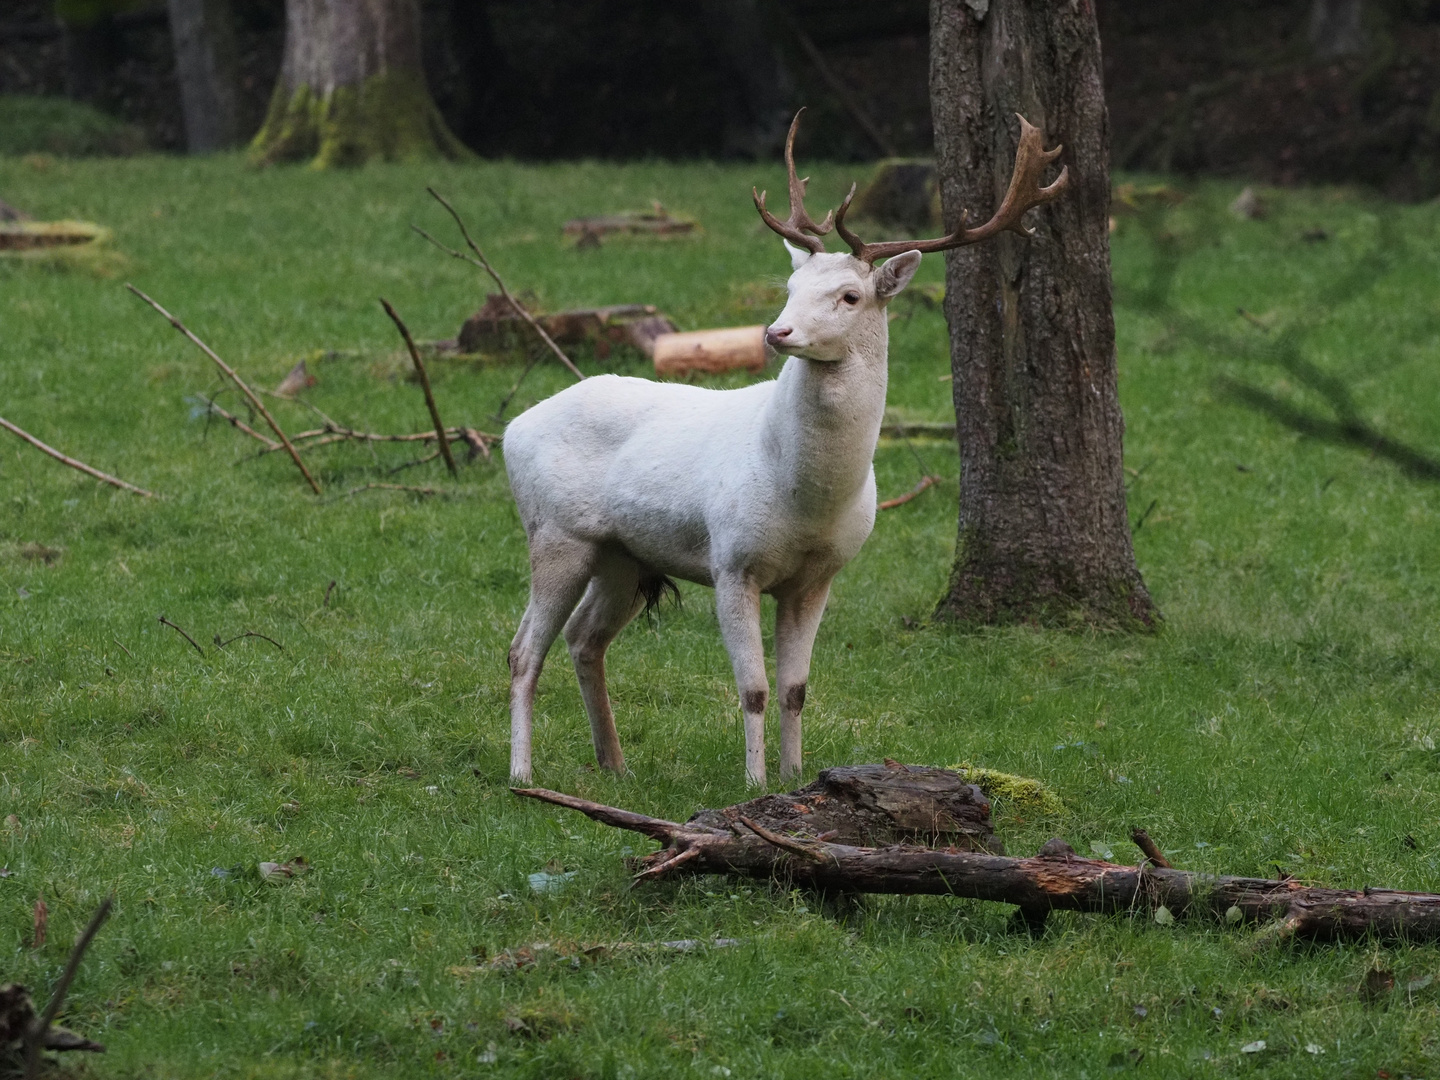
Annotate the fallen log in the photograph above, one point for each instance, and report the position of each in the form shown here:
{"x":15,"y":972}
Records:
{"x":711,"y":352}
{"x":496,"y":327}
{"x":808,"y":850}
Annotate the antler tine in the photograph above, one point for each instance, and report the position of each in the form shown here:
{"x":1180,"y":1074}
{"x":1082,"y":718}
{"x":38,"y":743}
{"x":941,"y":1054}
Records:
{"x":799,"y":222}
{"x":1024,"y":192}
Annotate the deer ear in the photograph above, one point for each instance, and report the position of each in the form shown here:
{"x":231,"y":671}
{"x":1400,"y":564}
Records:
{"x":895,"y":274}
{"x":798,"y":256}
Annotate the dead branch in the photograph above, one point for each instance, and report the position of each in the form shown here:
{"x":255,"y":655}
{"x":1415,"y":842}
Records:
{"x":901,"y":500}
{"x":785,"y":846}
{"x":484,"y":264}
{"x":38,"y":1037}
{"x":328,"y":590}
{"x":166,"y":622}
{"x":412,"y":463}
{"x":1150,"y":848}
{"x":219,"y":644}
{"x":440,"y":429}
{"x":392,"y":487}
{"x":239,"y":425}
{"x":336,"y":433}
{"x":239,"y":382}
{"x":64,"y":460}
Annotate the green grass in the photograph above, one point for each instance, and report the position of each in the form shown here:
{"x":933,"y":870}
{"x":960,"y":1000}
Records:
{"x":1287,"y":714}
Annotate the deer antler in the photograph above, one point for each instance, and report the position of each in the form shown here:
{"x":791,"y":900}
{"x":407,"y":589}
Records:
{"x":1025,"y":191}
{"x":798,"y":223}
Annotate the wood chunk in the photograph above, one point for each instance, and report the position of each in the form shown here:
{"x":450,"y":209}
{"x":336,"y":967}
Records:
{"x":711,"y":352}
{"x":497,"y":328}
{"x":874,"y":806}
{"x":657,"y":221}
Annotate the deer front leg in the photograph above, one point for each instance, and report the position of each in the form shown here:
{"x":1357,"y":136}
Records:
{"x":737,"y":605}
{"x":797,"y":620}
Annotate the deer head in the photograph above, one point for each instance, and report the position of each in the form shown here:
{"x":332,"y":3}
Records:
{"x":837,"y":299}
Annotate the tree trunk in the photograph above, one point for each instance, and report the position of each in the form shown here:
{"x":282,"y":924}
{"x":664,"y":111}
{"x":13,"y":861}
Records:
{"x":1044,"y":536}
{"x":1335,"y":28}
{"x":352,"y":89}
{"x":205,"y":62}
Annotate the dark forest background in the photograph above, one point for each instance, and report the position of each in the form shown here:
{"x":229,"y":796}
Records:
{"x":1220,"y":88}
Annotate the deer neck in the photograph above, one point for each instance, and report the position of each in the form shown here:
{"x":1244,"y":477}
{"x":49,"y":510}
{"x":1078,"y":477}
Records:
{"x":823,"y":423}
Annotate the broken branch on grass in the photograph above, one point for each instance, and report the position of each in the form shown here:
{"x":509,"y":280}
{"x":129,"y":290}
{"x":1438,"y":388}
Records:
{"x":1150,"y":848}
{"x":126,"y":651}
{"x":74,"y":464}
{"x":37,"y":1038}
{"x":239,"y":382}
{"x":1055,"y":879}
{"x":166,"y":622}
{"x":234,"y":421}
{"x":440,"y":429}
{"x":901,"y":500}
{"x":484,"y":264}
{"x":392,"y":487}
{"x":248,"y":633}
{"x":328,"y":590}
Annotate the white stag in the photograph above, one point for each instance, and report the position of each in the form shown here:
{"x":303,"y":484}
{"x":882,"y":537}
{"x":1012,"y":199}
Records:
{"x":623,"y":484}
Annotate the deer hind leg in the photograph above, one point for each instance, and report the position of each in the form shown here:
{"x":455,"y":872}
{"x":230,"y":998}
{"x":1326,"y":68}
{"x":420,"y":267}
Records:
{"x":797,"y":620}
{"x":559,"y":568}
{"x":737,"y":606}
{"x":611,"y":600}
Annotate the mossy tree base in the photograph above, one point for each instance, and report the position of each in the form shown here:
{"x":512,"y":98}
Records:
{"x":388,"y":117}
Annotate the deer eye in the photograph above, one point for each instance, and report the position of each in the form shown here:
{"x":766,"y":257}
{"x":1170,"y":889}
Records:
{"x":851,"y":298}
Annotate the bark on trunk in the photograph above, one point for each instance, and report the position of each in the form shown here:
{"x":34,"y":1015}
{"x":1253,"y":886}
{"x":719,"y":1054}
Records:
{"x":1044,"y":536}
{"x":351,"y":88}
{"x":1335,"y":28}
{"x":203,"y":33}
{"x":812,"y":838}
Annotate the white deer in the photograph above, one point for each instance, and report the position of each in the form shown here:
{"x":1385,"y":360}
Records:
{"x":623,"y":484}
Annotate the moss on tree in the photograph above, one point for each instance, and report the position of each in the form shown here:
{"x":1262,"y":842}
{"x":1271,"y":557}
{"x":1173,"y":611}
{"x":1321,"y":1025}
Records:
{"x":388,"y":117}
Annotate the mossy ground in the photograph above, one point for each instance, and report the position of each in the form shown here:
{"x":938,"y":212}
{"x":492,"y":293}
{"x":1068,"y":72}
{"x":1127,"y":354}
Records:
{"x":1287,"y":714}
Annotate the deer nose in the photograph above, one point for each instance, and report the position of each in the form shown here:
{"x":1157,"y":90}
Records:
{"x":775,"y":335}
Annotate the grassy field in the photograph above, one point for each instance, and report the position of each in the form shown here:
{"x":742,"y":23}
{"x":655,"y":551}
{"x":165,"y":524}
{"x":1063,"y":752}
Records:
{"x":1287,"y":715}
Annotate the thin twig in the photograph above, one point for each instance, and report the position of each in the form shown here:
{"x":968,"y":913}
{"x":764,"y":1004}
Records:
{"x":392,"y":487}
{"x":64,"y":460}
{"x":235,"y":422}
{"x":413,"y":462}
{"x":239,"y":382}
{"x":796,"y":846}
{"x":1150,"y":848}
{"x":665,"y":867}
{"x":505,"y":402}
{"x":328,"y":590}
{"x":166,"y":622}
{"x":35,"y":1038}
{"x":484,"y":264}
{"x":901,"y":500}
{"x":440,"y":431}
{"x":248,"y":633}
{"x":842,"y":92}
{"x":122,"y":646}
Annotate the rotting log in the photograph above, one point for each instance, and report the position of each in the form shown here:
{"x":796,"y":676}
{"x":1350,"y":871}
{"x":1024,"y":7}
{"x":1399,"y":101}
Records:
{"x":765,"y":840}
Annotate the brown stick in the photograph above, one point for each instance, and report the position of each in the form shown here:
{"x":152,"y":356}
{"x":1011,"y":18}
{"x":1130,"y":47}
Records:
{"x":166,"y":622}
{"x":440,"y":430}
{"x":901,"y":500}
{"x":239,"y":382}
{"x":63,"y":459}
{"x":842,"y":92}
{"x":392,"y":487}
{"x":1037,"y":884}
{"x":219,"y":644}
{"x":235,"y":422}
{"x":1150,"y":848}
{"x":484,"y":264}
{"x":35,"y":1038}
